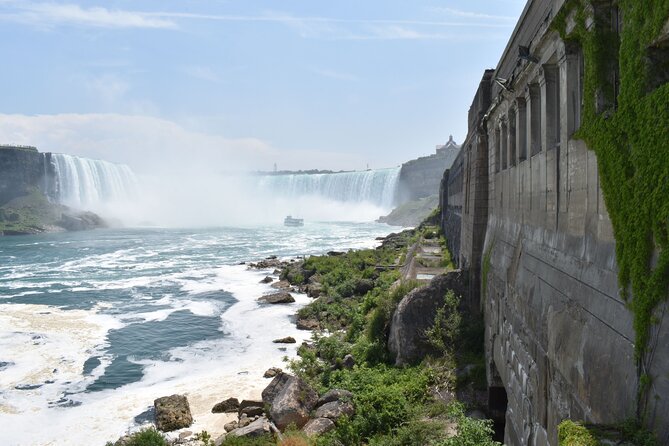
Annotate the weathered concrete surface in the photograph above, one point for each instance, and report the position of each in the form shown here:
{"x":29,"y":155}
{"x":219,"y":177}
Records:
{"x":559,"y":338}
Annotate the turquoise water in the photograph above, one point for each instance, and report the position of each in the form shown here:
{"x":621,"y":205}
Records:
{"x":95,"y":325}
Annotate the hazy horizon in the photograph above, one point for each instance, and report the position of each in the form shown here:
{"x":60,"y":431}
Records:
{"x":244,"y":85}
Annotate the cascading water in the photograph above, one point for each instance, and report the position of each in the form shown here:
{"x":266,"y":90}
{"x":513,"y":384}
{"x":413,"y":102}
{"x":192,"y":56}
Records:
{"x":378,"y":187}
{"x":85,"y":183}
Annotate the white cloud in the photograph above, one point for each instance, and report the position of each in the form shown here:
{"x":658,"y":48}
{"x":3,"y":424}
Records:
{"x":52,"y":14}
{"x":149,"y":144}
{"x":476,"y":15}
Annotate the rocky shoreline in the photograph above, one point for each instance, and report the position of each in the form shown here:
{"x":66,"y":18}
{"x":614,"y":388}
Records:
{"x":291,"y":398}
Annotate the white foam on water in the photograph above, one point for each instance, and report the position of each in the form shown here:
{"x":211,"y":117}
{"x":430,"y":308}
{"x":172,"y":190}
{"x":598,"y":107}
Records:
{"x":46,"y":348}
{"x":206,"y":372}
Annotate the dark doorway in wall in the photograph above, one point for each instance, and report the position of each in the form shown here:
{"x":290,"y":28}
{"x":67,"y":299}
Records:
{"x":497,"y":403}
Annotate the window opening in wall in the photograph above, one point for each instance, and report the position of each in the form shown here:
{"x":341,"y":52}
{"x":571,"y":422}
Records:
{"x":504,"y":151}
{"x":522,"y":130}
{"x":512,"y":138}
{"x":498,"y":151}
{"x":535,"y":119}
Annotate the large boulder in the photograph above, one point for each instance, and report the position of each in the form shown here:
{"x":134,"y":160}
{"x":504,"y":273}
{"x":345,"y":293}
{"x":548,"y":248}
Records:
{"x":291,"y":400}
{"x":282,"y":297}
{"x":172,"y":413}
{"x":415,"y":314}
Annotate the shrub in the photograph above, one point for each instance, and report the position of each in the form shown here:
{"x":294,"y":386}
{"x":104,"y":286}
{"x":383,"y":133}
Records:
{"x":470,"y":432}
{"x":446,"y":328}
{"x":145,"y":437}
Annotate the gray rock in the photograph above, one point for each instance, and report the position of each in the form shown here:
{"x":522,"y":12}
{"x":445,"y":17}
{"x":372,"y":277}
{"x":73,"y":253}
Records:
{"x":318,"y":426}
{"x":286,"y":340}
{"x":348,"y":362}
{"x":415,"y":314}
{"x":244,"y":421}
{"x":335,"y":395}
{"x":314,"y":290}
{"x":226,"y":406}
{"x":252,"y":411}
{"x":267,"y":279}
{"x":274,"y":388}
{"x":250,"y":403}
{"x":335,"y":410}
{"x":172,"y":413}
{"x":307,"y":324}
{"x":231,"y":426}
{"x":281,"y":285}
{"x":272,"y":372}
{"x":254,"y":429}
{"x":291,"y":400}
{"x":282,"y":297}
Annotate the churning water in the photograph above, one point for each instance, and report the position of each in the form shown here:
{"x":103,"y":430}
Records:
{"x":95,"y":325}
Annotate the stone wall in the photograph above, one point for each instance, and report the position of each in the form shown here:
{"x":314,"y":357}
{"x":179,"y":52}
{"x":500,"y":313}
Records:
{"x":22,"y":169}
{"x":534,"y":229}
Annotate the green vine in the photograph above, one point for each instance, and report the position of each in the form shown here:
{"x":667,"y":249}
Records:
{"x":631,"y":140}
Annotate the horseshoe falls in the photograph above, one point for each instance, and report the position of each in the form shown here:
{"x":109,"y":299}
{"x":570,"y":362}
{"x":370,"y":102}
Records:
{"x":377,"y":187}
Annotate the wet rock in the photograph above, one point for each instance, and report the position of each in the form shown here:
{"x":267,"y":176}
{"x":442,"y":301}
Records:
{"x":278,"y":298}
{"x":335,"y":395}
{"x":286,"y":340}
{"x":335,"y":410}
{"x":267,"y":279}
{"x":318,"y":426}
{"x":172,"y":413}
{"x":226,"y":406}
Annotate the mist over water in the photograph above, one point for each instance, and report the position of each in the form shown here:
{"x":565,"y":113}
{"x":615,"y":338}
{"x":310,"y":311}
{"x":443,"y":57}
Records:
{"x":202,"y":197}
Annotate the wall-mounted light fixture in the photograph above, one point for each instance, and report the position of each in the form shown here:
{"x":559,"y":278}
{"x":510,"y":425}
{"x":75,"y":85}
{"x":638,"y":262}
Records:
{"x":504,"y":83}
{"x":524,"y":53}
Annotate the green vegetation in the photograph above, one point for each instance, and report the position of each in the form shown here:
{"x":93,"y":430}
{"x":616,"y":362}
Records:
{"x":578,"y":434}
{"x":394,"y":406}
{"x":630,"y":135}
{"x":28,"y":214}
{"x":145,"y":437}
{"x":574,"y":434}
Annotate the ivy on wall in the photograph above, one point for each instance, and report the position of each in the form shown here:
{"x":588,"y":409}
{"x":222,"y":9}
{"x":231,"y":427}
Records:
{"x":630,"y":135}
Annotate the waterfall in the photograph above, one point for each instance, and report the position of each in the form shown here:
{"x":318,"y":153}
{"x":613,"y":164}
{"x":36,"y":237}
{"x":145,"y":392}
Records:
{"x":84,"y":182}
{"x":378,"y":186}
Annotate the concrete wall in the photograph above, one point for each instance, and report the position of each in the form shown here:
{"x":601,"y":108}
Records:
{"x":535,"y":230}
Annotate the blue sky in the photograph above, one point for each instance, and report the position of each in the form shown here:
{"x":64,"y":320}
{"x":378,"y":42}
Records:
{"x":246,"y":83}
